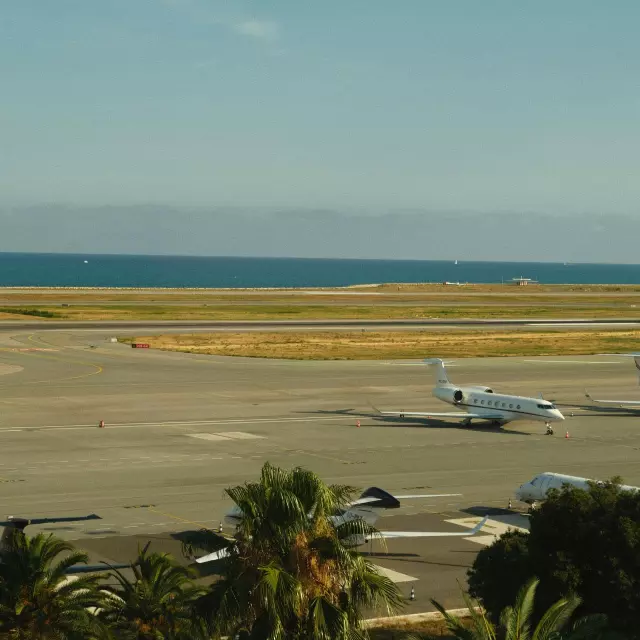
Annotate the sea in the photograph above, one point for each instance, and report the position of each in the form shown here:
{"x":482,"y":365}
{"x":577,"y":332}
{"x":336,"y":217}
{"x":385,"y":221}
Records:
{"x":140,"y":271}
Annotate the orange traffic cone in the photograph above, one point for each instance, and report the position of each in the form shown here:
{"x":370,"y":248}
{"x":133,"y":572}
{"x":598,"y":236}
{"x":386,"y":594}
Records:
{"x":101,"y":424}
{"x":566,"y":436}
{"x":357,"y":423}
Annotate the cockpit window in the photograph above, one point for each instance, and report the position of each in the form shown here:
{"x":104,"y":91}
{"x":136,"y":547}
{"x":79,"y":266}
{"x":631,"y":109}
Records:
{"x":546,"y":406}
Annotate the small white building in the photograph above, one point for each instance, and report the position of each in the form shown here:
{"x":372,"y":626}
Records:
{"x":523,"y":282}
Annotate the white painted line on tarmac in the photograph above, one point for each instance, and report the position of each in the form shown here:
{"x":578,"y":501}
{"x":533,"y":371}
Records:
{"x":186,"y":423}
{"x":574,"y":361}
{"x":208,"y":436}
{"x":394,"y":576}
{"x":415,"y":364}
{"x":240,"y":435}
{"x":582,"y":324}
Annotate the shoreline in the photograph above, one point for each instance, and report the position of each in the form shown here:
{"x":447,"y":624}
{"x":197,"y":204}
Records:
{"x":428,"y":287}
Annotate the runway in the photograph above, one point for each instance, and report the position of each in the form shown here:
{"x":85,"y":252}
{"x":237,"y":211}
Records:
{"x":180,"y":428}
{"x":309,"y":325}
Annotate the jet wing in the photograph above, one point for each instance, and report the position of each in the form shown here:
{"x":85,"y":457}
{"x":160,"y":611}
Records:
{"x":370,"y":499}
{"x":389,"y":535}
{"x":458,"y":414}
{"x":211,"y":557}
{"x":617,"y":403}
{"x":95,"y":568}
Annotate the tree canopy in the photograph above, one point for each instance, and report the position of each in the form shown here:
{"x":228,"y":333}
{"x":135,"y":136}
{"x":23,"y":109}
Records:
{"x":37,"y":597}
{"x":518,"y":621}
{"x":581,"y":541}
{"x":291,"y":570}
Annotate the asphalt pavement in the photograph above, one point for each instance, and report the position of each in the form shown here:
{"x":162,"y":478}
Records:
{"x":179,"y":428}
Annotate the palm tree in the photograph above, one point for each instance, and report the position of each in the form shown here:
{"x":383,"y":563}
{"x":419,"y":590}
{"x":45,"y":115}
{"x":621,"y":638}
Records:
{"x":38,"y":599}
{"x":516,"y":622}
{"x":157,"y":603}
{"x":291,"y":570}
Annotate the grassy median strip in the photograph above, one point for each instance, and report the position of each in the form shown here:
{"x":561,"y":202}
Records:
{"x":390,"y":302}
{"x":372,"y":345}
{"x":223,"y":312}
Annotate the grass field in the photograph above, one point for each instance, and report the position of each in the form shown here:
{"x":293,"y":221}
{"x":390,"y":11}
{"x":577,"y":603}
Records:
{"x":366,"y":303}
{"x":357,"y":345}
{"x":443,"y":311}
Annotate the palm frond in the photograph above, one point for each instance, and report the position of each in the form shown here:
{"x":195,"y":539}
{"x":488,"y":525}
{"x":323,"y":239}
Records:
{"x":455,"y":625}
{"x":592,"y":627}
{"x":516,"y":620}
{"x":556,"y":617}
{"x":326,"y":621}
{"x":370,"y":589}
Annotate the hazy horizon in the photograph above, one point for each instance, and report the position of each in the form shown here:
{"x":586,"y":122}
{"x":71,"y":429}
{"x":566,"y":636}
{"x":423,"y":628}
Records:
{"x":313,"y":233}
{"x":377,"y":130}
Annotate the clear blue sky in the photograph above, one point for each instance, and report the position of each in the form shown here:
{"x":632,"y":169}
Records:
{"x":364,"y":104}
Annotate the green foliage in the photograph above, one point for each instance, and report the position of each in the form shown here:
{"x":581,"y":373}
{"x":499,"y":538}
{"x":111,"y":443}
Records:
{"x":37,"y":597}
{"x":157,"y":604}
{"x":583,"y":542}
{"x":290,"y":571}
{"x":40,"y":313}
{"x":589,"y":542}
{"x":500,"y":570}
{"x":517,"y":622}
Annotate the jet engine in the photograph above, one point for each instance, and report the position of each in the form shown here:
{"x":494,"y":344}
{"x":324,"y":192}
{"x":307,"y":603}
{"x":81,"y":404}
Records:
{"x":449,"y":394}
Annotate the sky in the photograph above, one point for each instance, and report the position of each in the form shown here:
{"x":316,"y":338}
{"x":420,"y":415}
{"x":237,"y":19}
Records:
{"x":363,"y":107}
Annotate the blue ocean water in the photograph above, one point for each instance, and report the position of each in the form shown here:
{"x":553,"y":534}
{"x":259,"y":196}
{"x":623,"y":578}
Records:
{"x":70,"y":270}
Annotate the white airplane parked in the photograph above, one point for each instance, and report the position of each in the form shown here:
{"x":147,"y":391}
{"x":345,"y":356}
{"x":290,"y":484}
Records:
{"x":536,"y":490}
{"x":481,"y":403}
{"x":622,"y":404}
{"x":367,"y":507}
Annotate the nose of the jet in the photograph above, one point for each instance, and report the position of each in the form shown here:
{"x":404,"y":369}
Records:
{"x":559,"y":415}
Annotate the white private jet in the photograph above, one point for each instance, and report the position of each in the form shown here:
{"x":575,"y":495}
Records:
{"x":481,"y":403}
{"x":368,"y":508}
{"x":621,"y":404}
{"x":536,"y":490}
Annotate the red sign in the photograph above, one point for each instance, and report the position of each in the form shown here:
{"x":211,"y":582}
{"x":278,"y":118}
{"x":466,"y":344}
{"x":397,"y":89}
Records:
{"x":139,"y":345}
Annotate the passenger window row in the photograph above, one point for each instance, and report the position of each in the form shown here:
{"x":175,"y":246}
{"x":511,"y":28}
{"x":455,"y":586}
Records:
{"x":497,"y":404}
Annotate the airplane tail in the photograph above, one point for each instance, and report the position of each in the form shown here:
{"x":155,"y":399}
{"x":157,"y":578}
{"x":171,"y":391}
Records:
{"x":13,"y":527}
{"x":371,"y":503}
{"x":441,"y":373}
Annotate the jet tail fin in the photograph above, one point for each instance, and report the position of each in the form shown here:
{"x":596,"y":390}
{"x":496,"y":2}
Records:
{"x":441,"y":373}
{"x":371,"y":502}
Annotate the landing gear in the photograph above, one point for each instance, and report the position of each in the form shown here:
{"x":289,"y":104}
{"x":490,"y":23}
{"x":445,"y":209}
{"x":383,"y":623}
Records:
{"x":549,"y":429}
{"x":466,"y":422}
{"x":497,"y":423}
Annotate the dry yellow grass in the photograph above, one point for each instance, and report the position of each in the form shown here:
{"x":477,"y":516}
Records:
{"x":384,"y":301}
{"x":356,"y":345}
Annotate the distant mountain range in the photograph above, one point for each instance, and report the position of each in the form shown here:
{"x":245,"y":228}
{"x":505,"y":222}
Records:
{"x":227,"y":231}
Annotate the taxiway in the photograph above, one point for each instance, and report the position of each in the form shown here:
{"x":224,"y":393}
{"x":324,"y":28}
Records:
{"x":180,"y":428}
